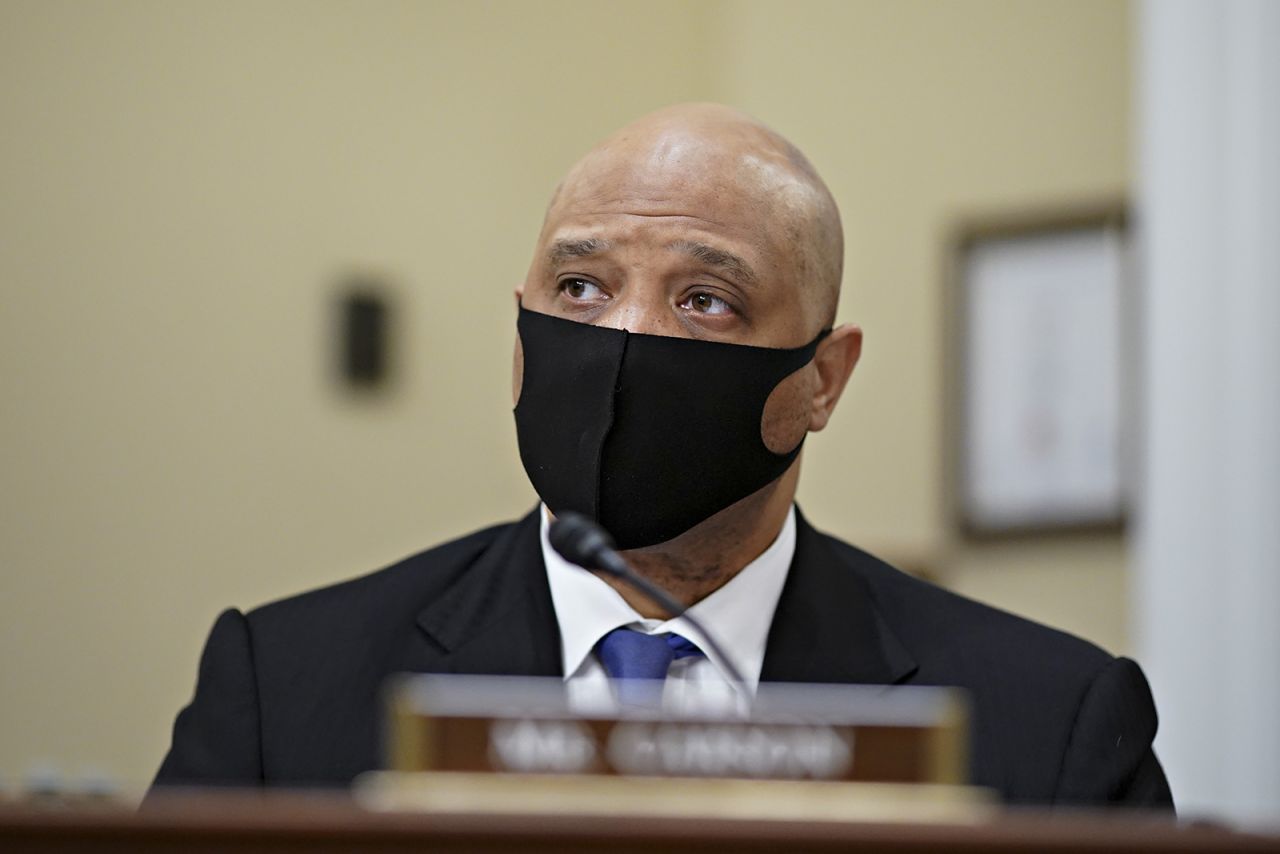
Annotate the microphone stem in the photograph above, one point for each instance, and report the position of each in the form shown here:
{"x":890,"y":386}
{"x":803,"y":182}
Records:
{"x":612,"y":563}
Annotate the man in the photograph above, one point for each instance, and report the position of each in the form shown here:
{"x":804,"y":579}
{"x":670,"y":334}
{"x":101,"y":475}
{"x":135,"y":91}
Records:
{"x":674,"y":347}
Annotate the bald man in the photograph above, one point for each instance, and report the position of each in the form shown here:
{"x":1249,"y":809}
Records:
{"x":675,"y":344}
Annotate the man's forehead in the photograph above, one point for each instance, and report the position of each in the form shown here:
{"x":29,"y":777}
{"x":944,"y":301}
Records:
{"x":672,"y":206}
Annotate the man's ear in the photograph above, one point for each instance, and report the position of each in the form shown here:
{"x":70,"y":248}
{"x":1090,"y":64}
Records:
{"x":519,"y":293}
{"x":835,"y":360}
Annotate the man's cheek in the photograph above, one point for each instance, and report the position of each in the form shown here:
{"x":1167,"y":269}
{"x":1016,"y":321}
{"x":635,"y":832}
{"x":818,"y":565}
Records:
{"x":785,"y":418}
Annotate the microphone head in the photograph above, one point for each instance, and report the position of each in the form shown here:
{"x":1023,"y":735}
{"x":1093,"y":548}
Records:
{"x":579,"y":540}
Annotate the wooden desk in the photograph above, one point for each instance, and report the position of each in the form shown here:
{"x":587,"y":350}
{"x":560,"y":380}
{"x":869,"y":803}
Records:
{"x":247,"y":823}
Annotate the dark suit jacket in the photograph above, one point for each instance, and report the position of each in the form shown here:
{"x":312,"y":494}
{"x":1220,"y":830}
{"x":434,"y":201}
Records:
{"x":289,"y":693}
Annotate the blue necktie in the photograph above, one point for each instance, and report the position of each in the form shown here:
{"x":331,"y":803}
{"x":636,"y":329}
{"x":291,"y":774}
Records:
{"x":638,"y":663}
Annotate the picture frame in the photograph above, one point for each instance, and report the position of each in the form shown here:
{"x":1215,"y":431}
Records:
{"x":1040,"y":356}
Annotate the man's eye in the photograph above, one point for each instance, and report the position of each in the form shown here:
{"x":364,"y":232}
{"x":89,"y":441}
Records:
{"x":705,"y":303}
{"x":580,"y":289}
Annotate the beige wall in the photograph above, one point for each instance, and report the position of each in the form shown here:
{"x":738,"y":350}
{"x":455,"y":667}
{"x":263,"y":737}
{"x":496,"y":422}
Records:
{"x":918,"y":114}
{"x":182,"y":184}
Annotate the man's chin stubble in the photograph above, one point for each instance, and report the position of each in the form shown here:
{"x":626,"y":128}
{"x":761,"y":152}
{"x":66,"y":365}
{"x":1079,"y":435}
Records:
{"x":697,"y":563}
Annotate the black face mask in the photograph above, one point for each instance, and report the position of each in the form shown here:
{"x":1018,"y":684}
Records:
{"x":647,"y":435}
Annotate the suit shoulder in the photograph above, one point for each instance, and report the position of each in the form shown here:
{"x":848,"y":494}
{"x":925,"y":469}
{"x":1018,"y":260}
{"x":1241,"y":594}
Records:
{"x":1048,"y":711}
{"x":405,"y":584}
{"x":962,"y":632}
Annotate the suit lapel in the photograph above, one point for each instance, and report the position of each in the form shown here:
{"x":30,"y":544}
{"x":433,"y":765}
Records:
{"x":827,"y":627}
{"x":498,"y":618}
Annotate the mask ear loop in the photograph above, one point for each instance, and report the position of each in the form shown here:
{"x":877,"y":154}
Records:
{"x":811,"y":349}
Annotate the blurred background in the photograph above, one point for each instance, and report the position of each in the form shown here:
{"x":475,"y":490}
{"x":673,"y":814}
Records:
{"x":187,"y":188}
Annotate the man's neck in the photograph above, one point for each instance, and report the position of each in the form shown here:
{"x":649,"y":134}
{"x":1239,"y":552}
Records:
{"x":703,"y":559}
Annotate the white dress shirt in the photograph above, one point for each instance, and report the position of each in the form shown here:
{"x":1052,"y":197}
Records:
{"x":739,"y":614}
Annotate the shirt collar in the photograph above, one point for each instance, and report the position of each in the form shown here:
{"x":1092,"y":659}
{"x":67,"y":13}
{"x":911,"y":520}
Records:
{"x":739,"y":613}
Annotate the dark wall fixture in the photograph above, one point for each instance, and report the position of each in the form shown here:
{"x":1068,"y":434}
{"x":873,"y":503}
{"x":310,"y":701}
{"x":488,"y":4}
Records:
{"x":364,"y":333}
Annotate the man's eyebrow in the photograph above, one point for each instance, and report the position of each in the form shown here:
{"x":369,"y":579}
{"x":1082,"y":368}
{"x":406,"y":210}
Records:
{"x":726,"y":261}
{"x":566,"y":248}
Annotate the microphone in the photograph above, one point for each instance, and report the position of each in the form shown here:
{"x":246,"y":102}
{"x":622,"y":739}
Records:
{"x":582,"y":542}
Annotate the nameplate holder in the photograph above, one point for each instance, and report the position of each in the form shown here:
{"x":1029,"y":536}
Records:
{"x":526,"y":726}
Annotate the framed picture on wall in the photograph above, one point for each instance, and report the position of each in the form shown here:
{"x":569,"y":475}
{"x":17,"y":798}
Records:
{"x":1041,"y":403}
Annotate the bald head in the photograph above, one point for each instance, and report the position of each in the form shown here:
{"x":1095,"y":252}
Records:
{"x":710,"y":164}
